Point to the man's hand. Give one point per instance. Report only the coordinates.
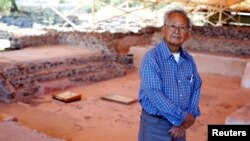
(177, 131)
(189, 121)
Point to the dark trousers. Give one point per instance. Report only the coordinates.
(155, 129)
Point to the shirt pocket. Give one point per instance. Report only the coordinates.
(188, 82)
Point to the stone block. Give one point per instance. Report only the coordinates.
(221, 65)
(245, 81)
(138, 53)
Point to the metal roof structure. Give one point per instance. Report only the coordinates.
(216, 3)
(204, 12)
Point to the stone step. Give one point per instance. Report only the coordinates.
(24, 72)
(57, 73)
(83, 79)
(17, 69)
(40, 83)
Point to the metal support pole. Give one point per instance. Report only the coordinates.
(93, 15)
(71, 12)
(156, 13)
(61, 15)
(220, 15)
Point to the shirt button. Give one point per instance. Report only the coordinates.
(181, 95)
(179, 81)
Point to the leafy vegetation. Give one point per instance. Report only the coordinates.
(5, 5)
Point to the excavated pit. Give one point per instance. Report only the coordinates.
(58, 59)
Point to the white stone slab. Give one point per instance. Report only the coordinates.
(221, 65)
(4, 43)
(245, 81)
(240, 116)
(138, 53)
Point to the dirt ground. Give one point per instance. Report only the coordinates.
(94, 119)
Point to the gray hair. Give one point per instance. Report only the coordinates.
(180, 11)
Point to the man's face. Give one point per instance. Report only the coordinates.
(175, 31)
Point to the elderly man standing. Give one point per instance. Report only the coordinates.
(170, 84)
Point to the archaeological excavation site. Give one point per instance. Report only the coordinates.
(71, 71)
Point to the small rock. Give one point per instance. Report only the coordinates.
(6, 117)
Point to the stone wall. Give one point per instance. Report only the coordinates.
(232, 41)
(24, 79)
(96, 41)
(226, 32)
(224, 40)
(31, 78)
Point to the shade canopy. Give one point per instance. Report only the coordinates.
(239, 5)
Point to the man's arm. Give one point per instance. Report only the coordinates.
(195, 99)
(193, 110)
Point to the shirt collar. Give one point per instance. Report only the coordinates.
(168, 53)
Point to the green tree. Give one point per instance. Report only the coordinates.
(5, 5)
(116, 2)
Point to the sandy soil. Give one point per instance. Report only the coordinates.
(94, 119)
(45, 52)
(14, 131)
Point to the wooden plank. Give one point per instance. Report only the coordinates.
(67, 96)
(119, 98)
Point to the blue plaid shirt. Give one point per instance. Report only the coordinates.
(168, 88)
